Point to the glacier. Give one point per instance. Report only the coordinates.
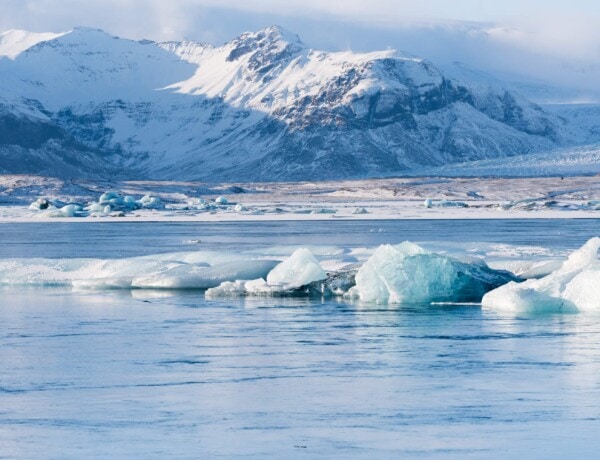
(573, 287)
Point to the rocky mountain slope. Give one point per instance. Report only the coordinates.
(262, 107)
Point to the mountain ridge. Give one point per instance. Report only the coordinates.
(263, 106)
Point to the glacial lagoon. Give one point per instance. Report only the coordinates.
(148, 373)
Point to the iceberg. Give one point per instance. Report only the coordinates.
(221, 200)
(149, 202)
(296, 272)
(429, 203)
(573, 287)
(300, 269)
(407, 273)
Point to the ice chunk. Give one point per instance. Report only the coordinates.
(40, 204)
(222, 201)
(240, 208)
(407, 273)
(575, 286)
(110, 196)
(324, 211)
(195, 277)
(429, 203)
(70, 210)
(149, 202)
(299, 270)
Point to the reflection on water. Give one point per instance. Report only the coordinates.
(171, 374)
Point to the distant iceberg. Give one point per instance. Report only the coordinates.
(575, 286)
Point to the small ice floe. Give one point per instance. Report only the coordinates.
(56, 208)
(197, 204)
(113, 203)
(110, 203)
(532, 204)
(574, 286)
(407, 273)
(150, 202)
(323, 211)
(222, 201)
(200, 276)
(188, 270)
(360, 211)
(240, 208)
(429, 203)
(593, 205)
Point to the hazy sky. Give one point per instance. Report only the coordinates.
(557, 39)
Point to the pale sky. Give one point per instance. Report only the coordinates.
(558, 39)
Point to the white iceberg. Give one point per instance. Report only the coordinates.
(575, 286)
(429, 203)
(297, 271)
(149, 202)
(407, 273)
(300, 269)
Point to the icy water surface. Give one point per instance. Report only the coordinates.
(151, 374)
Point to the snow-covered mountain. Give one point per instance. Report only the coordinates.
(262, 107)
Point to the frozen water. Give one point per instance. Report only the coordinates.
(407, 273)
(197, 277)
(149, 373)
(298, 270)
(166, 271)
(575, 286)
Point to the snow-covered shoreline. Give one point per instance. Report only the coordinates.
(14, 215)
(376, 199)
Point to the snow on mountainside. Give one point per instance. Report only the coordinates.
(14, 42)
(261, 107)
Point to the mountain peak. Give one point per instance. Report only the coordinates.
(274, 40)
(271, 34)
(14, 42)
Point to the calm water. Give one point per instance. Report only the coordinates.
(172, 375)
